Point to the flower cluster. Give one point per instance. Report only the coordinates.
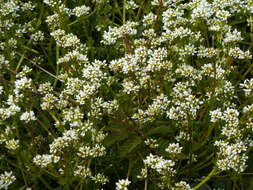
(122, 184)
(6, 179)
(163, 85)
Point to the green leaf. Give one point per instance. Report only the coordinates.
(115, 127)
(162, 130)
(114, 137)
(225, 184)
(205, 187)
(129, 145)
(118, 133)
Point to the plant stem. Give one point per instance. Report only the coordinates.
(30, 40)
(146, 184)
(57, 66)
(129, 168)
(205, 180)
(37, 65)
(124, 12)
(45, 183)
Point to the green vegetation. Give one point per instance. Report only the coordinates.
(126, 94)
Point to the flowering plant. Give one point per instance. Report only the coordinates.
(124, 94)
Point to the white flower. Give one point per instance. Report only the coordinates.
(45, 160)
(82, 172)
(12, 144)
(28, 116)
(131, 5)
(1, 90)
(122, 184)
(182, 185)
(6, 179)
(174, 148)
(79, 11)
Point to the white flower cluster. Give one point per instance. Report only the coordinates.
(175, 69)
(207, 70)
(9, 7)
(151, 142)
(53, 21)
(27, 116)
(182, 185)
(45, 88)
(156, 109)
(231, 117)
(52, 3)
(206, 52)
(65, 40)
(130, 4)
(231, 156)
(232, 36)
(122, 184)
(160, 165)
(97, 151)
(48, 102)
(38, 36)
(6, 179)
(149, 19)
(73, 56)
(45, 160)
(189, 72)
(82, 10)
(186, 103)
(174, 149)
(12, 144)
(99, 108)
(82, 172)
(69, 137)
(115, 33)
(28, 6)
(130, 87)
(237, 53)
(247, 87)
(1, 90)
(100, 179)
(3, 61)
(12, 110)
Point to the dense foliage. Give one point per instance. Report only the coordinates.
(124, 94)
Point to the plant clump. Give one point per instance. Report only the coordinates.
(126, 94)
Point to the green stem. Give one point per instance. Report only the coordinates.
(30, 40)
(146, 184)
(30, 49)
(50, 173)
(129, 168)
(57, 66)
(205, 180)
(124, 12)
(85, 17)
(81, 187)
(22, 172)
(37, 65)
(244, 75)
(139, 11)
(117, 8)
(45, 183)
(20, 61)
(78, 185)
(251, 29)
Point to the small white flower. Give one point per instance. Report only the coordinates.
(28, 116)
(6, 179)
(122, 184)
(12, 144)
(174, 148)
